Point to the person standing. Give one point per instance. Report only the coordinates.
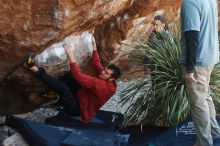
(199, 44)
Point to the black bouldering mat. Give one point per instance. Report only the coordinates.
(104, 120)
(181, 135)
(39, 134)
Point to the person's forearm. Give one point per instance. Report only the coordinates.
(192, 45)
(71, 58)
(69, 52)
(94, 44)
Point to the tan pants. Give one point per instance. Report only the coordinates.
(202, 107)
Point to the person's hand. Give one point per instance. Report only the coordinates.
(94, 43)
(69, 52)
(190, 77)
(68, 49)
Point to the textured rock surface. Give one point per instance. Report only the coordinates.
(36, 25)
(116, 35)
(33, 25)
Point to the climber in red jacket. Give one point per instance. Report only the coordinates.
(87, 94)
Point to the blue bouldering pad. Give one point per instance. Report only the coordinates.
(103, 120)
(39, 134)
(181, 135)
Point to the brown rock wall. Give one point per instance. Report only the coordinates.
(35, 25)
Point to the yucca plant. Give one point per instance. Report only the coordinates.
(215, 86)
(161, 100)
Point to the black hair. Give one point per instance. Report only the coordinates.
(116, 71)
(161, 19)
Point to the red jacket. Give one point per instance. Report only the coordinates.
(95, 92)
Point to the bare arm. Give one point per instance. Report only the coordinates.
(83, 79)
(69, 53)
(94, 44)
(97, 66)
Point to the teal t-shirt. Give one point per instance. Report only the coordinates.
(202, 16)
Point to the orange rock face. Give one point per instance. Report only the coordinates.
(34, 25)
(37, 24)
(115, 36)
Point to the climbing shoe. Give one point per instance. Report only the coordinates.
(29, 62)
(48, 94)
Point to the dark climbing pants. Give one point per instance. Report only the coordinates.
(66, 87)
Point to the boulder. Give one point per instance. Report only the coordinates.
(38, 25)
